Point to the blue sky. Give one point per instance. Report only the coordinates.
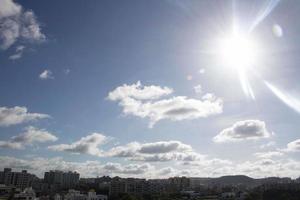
(131, 88)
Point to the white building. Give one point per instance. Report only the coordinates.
(75, 195)
(93, 196)
(27, 194)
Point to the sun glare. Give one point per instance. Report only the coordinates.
(237, 52)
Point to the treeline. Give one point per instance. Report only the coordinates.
(274, 194)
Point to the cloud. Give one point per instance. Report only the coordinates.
(46, 74)
(18, 54)
(139, 92)
(268, 154)
(39, 165)
(86, 145)
(198, 89)
(293, 146)
(67, 71)
(10, 145)
(161, 151)
(128, 169)
(18, 24)
(18, 115)
(144, 102)
(243, 130)
(30, 136)
(211, 168)
(164, 147)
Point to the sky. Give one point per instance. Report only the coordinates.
(150, 89)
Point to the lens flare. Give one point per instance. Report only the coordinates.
(286, 98)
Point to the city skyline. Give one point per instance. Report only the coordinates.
(150, 89)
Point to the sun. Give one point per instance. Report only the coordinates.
(237, 51)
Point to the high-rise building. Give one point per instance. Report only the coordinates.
(21, 180)
(63, 179)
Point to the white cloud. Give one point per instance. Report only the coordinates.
(17, 24)
(164, 147)
(161, 151)
(18, 115)
(243, 130)
(143, 102)
(86, 145)
(39, 165)
(268, 154)
(198, 89)
(269, 168)
(30, 136)
(293, 146)
(46, 74)
(128, 169)
(210, 168)
(10, 145)
(139, 92)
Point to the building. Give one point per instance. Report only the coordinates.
(75, 195)
(180, 183)
(27, 194)
(21, 180)
(66, 180)
(93, 196)
(137, 186)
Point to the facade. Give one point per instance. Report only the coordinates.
(76, 195)
(20, 180)
(27, 194)
(62, 179)
(93, 196)
(136, 186)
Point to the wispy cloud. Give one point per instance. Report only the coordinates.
(18, 53)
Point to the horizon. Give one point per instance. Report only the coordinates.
(236, 175)
(150, 89)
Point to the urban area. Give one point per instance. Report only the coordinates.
(60, 185)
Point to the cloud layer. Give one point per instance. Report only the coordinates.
(161, 151)
(146, 102)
